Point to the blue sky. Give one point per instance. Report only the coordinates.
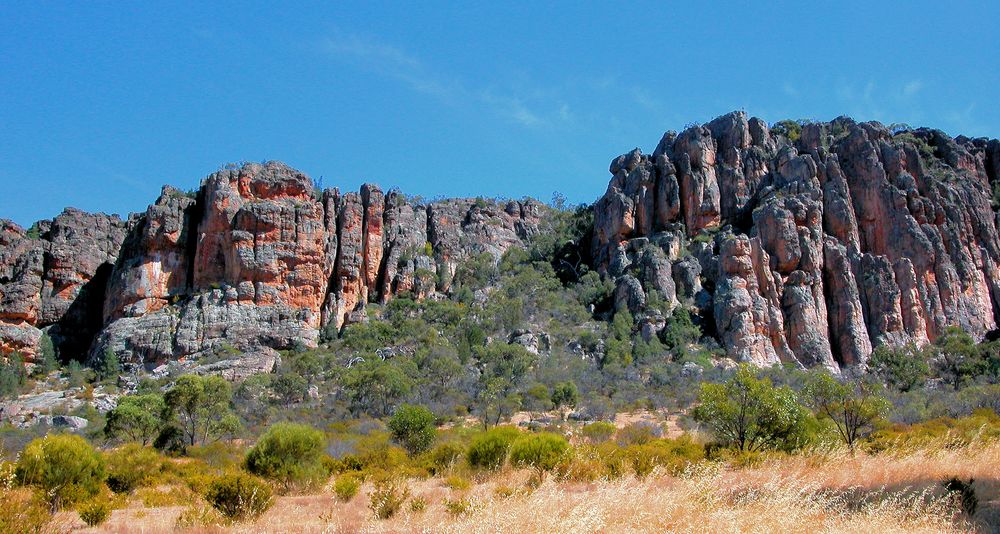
(102, 103)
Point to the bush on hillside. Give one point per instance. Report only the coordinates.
(541, 451)
(413, 428)
(290, 454)
(388, 497)
(489, 450)
(132, 466)
(65, 466)
(598, 432)
(239, 496)
(95, 512)
(346, 487)
(443, 457)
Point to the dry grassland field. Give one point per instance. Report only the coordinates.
(900, 489)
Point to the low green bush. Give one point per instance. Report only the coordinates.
(638, 434)
(64, 466)
(95, 512)
(388, 497)
(132, 466)
(289, 453)
(489, 450)
(346, 487)
(982, 425)
(598, 432)
(458, 507)
(413, 428)
(541, 451)
(674, 455)
(582, 463)
(443, 457)
(418, 505)
(457, 483)
(239, 496)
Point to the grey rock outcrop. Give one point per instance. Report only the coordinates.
(814, 251)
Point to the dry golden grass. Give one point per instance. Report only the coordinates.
(818, 492)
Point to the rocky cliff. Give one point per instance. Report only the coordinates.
(255, 258)
(810, 245)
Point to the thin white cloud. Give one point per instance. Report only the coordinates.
(356, 46)
(395, 63)
(912, 87)
(964, 120)
(643, 98)
(391, 62)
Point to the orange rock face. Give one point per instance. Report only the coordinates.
(263, 234)
(255, 258)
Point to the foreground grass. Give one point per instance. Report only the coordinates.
(832, 491)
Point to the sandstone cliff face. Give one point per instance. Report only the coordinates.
(54, 277)
(809, 252)
(817, 250)
(252, 260)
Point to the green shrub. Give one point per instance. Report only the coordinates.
(199, 515)
(980, 427)
(788, 128)
(751, 414)
(565, 396)
(12, 376)
(639, 433)
(674, 455)
(388, 497)
(132, 466)
(170, 440)
(65, 466)
(289, 453)
(136, 418)
(47, 360)
(413, 428)
(582, 463)
(95, 512)
(346, 487)
(23, 510)
(459, 507)
(489, 450)
(443, 457)
(223, 456)
(418, 504)
(457, 483)
(239, 496)
(541, 451)
(598, 432)
(195, 474)
(173, 495)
